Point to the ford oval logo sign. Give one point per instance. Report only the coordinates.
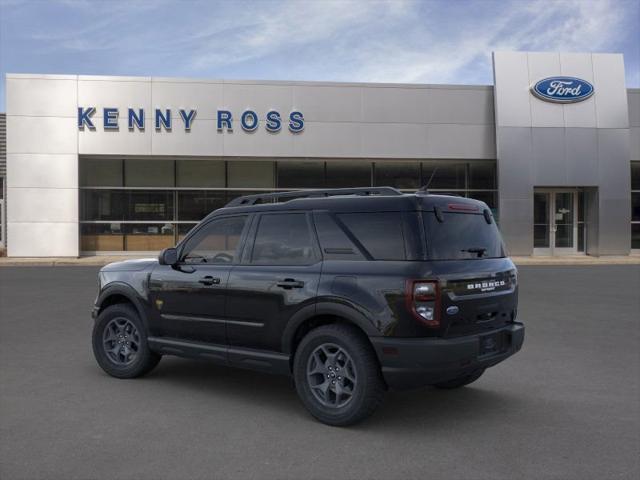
(562, 89)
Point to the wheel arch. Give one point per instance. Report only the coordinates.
(319, 314)
(120, 293)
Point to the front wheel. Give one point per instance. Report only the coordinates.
(120, 343)
(337, 375)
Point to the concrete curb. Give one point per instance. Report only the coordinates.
(99, 261)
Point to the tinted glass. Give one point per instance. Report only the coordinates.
(195, 205)
(379, 233)
(635, 235)
(635, 207)
(200, 173)
(443, 176)
(482, 175)
(402, 175)
(348, 174)
(333, 240)
(283, 239)
(250, 174)
(101, 172)
(300, 174)
(215, 243)
(149, 173)
(462, 236)
(103, 205)
(635, 175)
(149, 205)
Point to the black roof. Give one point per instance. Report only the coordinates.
(379, 199)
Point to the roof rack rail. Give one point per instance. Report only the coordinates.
(270, 197)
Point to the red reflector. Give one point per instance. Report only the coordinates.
(463, 207)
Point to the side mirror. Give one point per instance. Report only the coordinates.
(168, 256)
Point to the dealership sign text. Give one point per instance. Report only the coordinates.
(163, 119)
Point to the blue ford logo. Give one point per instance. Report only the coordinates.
(452, 310)
(562, 89)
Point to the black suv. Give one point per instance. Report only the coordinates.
(350, 291)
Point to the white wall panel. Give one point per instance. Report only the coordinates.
(42, 170)
(41, 135)
(203, 139)
(116, 142)
(511, 73)
(612, 109)
(42, 205)
(544, 114)
(42, 239)
(114, 93)
(395, 140)
(580, 114)
(44, 97)
(328, 103)
(205, 97)
(260, 98)
(391, 105)
(461, 141)
(327, 140)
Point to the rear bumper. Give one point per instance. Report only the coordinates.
(415, 362)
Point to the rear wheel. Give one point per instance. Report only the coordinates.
(460, 381)
(337, 375)
(120, 343)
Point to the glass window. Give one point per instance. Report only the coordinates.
(200, 173)
(149, 205)
(402, 175)
(487, 197)
(216, 242)
(462, 236)
(443, 175)
(103, 204)
(195, 205)
(482, 175)
(146, 237)
(635, 235)
(379, 233)
(348, 174)
(635, 175)
(149, 173)
(635, 206)
(95, 237)
(333, 240)
(283, 239)
(301, 175)
(100, 172)
(250, 174)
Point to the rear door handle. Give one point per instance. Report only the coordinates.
(288, 283)
(209, 280)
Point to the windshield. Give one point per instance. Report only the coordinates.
(462, 236)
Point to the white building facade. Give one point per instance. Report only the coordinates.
(130, 164)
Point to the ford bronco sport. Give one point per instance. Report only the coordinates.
(349, 291)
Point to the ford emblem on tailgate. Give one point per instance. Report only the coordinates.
(562, 89)
(452, 310)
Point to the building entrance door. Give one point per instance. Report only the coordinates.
(555, 222)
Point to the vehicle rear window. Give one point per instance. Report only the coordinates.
(462, 236)
(379, 233)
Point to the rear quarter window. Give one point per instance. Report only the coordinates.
(381, 234)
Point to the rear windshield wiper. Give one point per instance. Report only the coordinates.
(479, 251)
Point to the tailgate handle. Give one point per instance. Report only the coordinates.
(209, 280)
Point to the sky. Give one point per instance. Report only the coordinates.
(403, 41)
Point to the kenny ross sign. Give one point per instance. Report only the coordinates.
(249, 120)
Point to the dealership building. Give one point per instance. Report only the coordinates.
(102, 164)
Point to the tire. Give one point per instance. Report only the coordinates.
(340, 354)
(460, 381)
(130, 356)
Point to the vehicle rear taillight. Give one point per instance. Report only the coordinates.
(423, 300)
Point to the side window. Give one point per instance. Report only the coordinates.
(215, 243)
(379, 233)
(283, 239)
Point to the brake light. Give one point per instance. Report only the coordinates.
(463, 207)
(423, 301)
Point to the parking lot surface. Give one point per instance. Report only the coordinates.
(567, 406)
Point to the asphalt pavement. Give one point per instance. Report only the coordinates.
(566, 407)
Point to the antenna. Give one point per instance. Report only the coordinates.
(425, 188)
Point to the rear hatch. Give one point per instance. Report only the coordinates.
(477, 281)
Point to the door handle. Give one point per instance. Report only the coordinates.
(209, 280)
(289, 283)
